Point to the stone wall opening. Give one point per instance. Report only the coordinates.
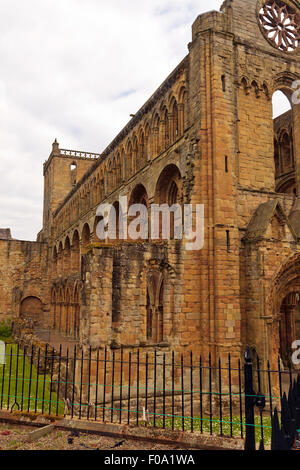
(32, 308)
(289, 327)
(155, 307)
(285, 181)
(169, 191)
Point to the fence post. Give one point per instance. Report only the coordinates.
(249, 402)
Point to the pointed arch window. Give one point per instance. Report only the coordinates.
(155, 307)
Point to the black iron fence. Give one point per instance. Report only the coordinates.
(226, 397)
(286, 422)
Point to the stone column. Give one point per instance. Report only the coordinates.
(96, 304)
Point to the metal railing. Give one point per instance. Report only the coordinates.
(173, 391)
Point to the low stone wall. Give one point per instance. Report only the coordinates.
(23, 334)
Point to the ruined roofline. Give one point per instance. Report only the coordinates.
(128, 128)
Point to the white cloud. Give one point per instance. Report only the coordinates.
(75, 70)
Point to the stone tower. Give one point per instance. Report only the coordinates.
(62, 171)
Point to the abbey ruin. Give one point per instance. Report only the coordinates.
(206, 136)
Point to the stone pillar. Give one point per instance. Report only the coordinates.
(96, 302)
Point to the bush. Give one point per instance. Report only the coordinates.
(5, 330)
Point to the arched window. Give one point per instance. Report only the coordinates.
(32, 308)
(175, 122)
(169, 191)
(155, 307)
(139, 196)
(54, 308)
(147, 149)
(118, 171)
(114, 175)
(141, 161)
(182, 109)
(86, 235)
(60, 260)
(55, 260)
(67, 256)
(135, 147)
(61, 300)
(109, 178)
(149, 318)
(286, 153)
(156, 135)
(73, 172)
(67, 325)
(129, 158)
(76, 318)
(102, 186)
(172, 193)
(166, 128)
(285, 181)
(277, 158)
(75, 253)
(114, 223)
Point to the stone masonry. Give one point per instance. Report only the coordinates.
(206, 136)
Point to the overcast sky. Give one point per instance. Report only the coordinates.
(75, 70)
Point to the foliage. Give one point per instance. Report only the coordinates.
(5, 330)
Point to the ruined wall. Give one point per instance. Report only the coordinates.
(23, 275)
(127, 327)
(209, 130)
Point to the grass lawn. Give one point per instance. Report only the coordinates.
(216, 426)
(15, 388)
(16, 383)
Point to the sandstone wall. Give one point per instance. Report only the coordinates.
(23, 275)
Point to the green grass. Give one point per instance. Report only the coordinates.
(13, 382)
(216, 426)
(11, 392)
(5, 331)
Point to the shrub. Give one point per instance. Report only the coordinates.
(5, 330)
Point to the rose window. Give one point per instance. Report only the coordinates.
(281, 25)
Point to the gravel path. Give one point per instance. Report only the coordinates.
(13, 437)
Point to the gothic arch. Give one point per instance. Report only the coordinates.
(156, 131)
(31, 308)
(164, 191)
(118, 170)
(142, 152)
(135, 147)
(67, 255)
(86, 235)
(283, 283)
(283, 306)
(155, 306)
(175, 120)
(165, 128)
(129, 159)
(139, 195)
(284, 82)
(160, 297)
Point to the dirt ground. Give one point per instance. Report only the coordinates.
(13, 437)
